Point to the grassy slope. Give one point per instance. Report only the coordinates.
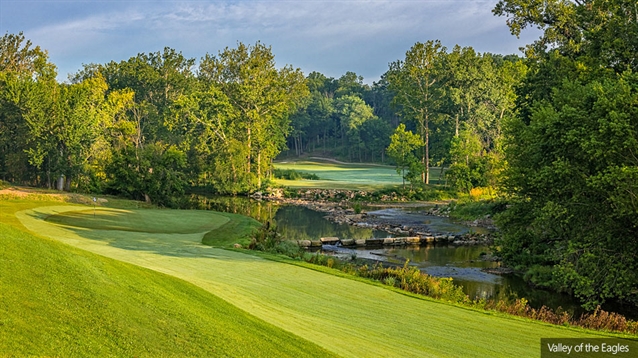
(56, 300)
(348, 317)
(344, 176)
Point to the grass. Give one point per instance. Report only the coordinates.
(350, 176)
(345, 316)
(56, 300)
(236, 231)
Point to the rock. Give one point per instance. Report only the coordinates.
(360, 242)
(347, 242)
(315, 243)
(413, 240)
(374, 242)
(399, 241)
(427, 239)
(304, 243)
(388, 241)
(237, 246)
(329, 240)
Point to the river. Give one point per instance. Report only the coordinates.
(462, 263)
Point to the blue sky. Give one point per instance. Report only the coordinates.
(331, 37)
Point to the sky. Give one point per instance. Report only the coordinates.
(330, 37)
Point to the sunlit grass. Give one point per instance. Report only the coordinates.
(345, 316)
(56, 300)
(345, 176)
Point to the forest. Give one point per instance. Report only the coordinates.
(553, 133)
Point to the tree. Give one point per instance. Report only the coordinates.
(571, 150)
(353, 113)
(417, 83)
(263, 96)
(403, 145)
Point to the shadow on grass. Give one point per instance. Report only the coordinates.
(115, 229)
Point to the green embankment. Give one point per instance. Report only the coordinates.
(344, 316)
(56, 300)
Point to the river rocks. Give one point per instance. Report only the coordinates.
(347, 242)
(414, 240)
(427, 239)
(374, 242)
(360, 242)
(323, 200)
(304, 243)
(315, 243)
(329, 240)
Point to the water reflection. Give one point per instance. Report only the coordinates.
(462, 263)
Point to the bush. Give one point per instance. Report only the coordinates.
(291, 174)
(268, 239)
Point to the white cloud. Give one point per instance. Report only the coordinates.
(328, 36)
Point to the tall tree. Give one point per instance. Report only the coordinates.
(402, 148)
(263, 96)
(417, 83)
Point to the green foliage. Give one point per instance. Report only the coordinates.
(154, 173)
(572, 148)
(402, 148)
(471, 210)
(291, 174)
(268, 239)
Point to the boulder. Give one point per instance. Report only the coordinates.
(329, 240)
(360, 242)
(347, 242)
(374, 242)
(413, 240)
(427, 238)
(304, 243)
(315, 243)
(388, 241)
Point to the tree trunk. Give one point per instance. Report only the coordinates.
(60, 184)
(249, 150)
(427, 153)
(67, 183)
(258, 168)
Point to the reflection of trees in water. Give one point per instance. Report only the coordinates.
(298, 223)
(262, 211)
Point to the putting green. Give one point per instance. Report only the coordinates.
(347, 317)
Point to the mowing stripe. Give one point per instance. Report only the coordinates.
(347, 317)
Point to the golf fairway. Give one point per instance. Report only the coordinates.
(347, 317)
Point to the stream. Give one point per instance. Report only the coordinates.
(462, 263)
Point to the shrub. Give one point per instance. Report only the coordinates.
(291, 174)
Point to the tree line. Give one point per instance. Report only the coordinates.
(147, 127)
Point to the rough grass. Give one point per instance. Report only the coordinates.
(345, 316)
(56, 300)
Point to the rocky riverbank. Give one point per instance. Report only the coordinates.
(337, 206)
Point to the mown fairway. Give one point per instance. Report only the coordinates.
(344, 316)
(56, 300)
(345, 175)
